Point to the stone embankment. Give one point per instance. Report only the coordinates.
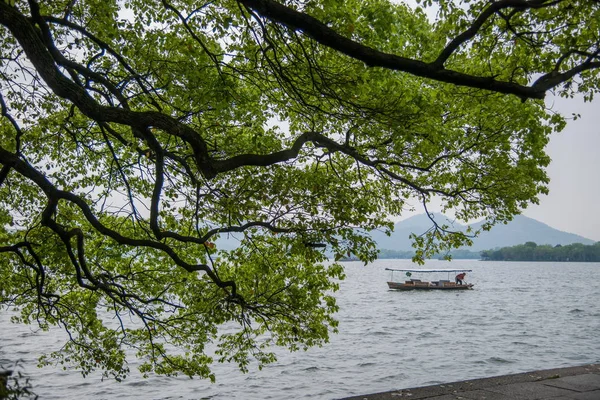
(574, 383)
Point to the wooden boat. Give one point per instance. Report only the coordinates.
(418, 284)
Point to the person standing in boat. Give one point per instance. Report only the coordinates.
(460, 277)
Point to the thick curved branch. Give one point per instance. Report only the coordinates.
(263, 160)
(68, 64)
(321, 141)
(40, 57)
(78, 260)
(326, 36)
(242, 228)
(105, 46)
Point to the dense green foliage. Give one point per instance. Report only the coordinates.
(134, 134)
(530, 251)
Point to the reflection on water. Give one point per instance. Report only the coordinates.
(520, 317)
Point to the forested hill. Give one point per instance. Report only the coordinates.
(532, 252)
(520, 230)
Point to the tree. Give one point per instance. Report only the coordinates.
(136, 134)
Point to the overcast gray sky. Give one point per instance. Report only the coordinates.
(572, 204)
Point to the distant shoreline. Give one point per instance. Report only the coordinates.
(527, 252)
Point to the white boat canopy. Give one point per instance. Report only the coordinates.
(429, 270)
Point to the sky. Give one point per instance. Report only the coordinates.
(573, 202)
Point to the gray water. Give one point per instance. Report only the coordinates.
(520, 317)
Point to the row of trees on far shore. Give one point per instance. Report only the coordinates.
(458, 254)
(530, 251)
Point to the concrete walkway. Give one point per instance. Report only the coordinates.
(579, 383)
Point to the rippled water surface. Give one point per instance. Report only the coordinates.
(520, 317)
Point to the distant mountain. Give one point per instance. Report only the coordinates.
(520, 230)
(523, 229)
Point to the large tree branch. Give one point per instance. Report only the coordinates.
(71, 65)
(320, 32)
(322, 141)
(106, 47)
(40, 57)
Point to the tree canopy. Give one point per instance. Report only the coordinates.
(134, 135)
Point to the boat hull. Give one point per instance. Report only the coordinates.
(405, 286)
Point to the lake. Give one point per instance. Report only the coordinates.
(520, 317)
